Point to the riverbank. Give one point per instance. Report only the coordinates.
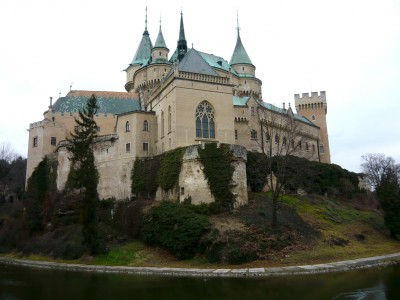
(338, 266)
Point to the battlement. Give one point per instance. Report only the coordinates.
(315, 97)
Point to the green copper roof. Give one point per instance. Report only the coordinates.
(240, 101)
(284, 111)
(239, 55)
(160, 42)
(195, 63)
(217, 62)
(108, 102)
(143, 52)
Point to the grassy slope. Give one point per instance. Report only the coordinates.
(343, 233)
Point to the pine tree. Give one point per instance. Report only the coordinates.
(84, 174)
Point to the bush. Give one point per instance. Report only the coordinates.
(175, 227)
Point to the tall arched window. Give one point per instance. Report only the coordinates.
(205, 124)
(127, 126)
(169, 119)
(145, 125)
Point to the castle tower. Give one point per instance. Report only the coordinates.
(182, 44)
(160, 50)
(315, 108)
(141, 58)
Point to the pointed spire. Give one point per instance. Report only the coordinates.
(143, 52)
(239, 55)
(160, 42)
(182, 44)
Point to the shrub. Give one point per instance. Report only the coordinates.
(175, 227)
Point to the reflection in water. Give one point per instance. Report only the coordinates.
(28, 283)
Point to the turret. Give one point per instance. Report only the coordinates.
(315, 108)
(160, 51)
(182, 44)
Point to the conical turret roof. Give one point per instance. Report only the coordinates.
(160, 42)
(143, 52)
(240, 55)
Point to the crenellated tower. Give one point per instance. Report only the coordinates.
(315, 108)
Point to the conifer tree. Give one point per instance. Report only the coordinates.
(84, 174)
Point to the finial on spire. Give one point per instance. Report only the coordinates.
(145, 27)
(237, 21)
(160, 21)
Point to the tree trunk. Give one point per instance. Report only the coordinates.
(274, 223)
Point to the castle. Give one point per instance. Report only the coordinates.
(187, 98)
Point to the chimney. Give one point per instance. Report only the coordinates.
(284, 105)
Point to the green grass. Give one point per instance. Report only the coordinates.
(123, 255)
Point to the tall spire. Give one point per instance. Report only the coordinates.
(239, 55)
(143, 52)
(182, 44)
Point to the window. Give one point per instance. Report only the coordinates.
(205, 125)
(321, 149)
(313, 117)
(284, 140)
(53, 141)
(313, 148)
(236, 134)
(162, 123)
(182, 191)
(252, 111)
(306, 146)
(128, 147)
(299, 145)
(145, 125)
(146, 146)
(169, 119)
(35, 141)
(127, 126)
(276, 139)
(267, 137)
(253, 135)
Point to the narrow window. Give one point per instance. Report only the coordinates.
(146, 147)
(127, 126)
(53, 141)
(35, 141)
(182, 191)
(128, 147)
(313, 148)
(236, 135)
(284, 141)
(145, 125)
(306, 146)
(321, 149)
(252, 111)
(276, 139)
(253, 135)
(169, 119)
(299, 145)
(162, 123)
(313, 117)
(267, 137)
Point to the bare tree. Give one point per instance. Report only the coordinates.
(7, 152)
(282, 134)
(375, 165)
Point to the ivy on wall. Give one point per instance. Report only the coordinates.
(218, 171)
(162, 170)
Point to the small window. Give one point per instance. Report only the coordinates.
(53, 141)
(128, 147)
(267, 137)
(321, 149)
(300, 145)
(313, 148)
(236, 134)
(254, 135)
(276, 139)
(127, 126)
(35, 141)
(145, 125)
(313, 117)
(306, 146)
(182, 191)
(146, 147)
(252, 111)
(284, 140)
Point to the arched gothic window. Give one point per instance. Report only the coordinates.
(145, 125)
(127, 126)
(205, 124)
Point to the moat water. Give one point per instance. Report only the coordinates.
(30, 283)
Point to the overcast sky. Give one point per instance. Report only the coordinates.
(348, 48)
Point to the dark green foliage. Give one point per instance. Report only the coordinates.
(12, 177)
(388, 192)
(310, 176)
(84, 174)
(168, 174)
(175, 227)
(144, 172)
(218, 171)
(41, 185)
